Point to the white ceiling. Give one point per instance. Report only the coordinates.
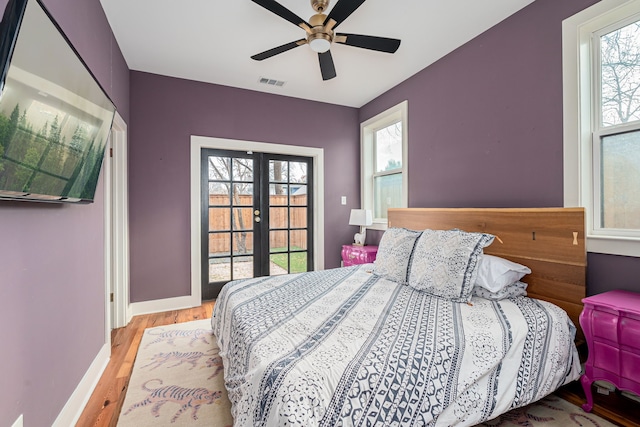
(212, 41)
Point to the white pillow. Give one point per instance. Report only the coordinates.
(513, 290)
(495, 273)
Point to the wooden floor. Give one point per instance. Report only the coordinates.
(106, 401)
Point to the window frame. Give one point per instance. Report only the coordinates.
(368, 128)
(582, 122)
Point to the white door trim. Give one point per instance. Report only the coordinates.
(116, 266)
(117, 227)
(200, 142)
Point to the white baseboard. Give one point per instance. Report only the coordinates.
(167, 304)
(78, 400)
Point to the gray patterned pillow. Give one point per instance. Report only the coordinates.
(394, 253)
(444, 263)
(516, 289)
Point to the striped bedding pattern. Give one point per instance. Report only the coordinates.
(344, 347)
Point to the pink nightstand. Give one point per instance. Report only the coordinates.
(611, 325)
(352, 254)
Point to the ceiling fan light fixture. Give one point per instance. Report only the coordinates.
(319, 45)
(320, 32)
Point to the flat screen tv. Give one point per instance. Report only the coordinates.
(54, 116)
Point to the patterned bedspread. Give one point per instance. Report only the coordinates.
(343, 347)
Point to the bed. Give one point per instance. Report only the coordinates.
(362, 346)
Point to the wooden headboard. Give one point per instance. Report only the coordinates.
(550, 241)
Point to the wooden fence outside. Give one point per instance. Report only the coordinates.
(281, 215)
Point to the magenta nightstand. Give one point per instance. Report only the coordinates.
(352, 254)
(611, 325)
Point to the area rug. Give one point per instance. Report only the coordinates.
(177, 380)
(550, 411)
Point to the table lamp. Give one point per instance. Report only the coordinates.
(363, 218)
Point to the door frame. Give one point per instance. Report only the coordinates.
(200, 142)
(116, 227)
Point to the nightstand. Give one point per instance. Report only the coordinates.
(611, 325)
(353, 254)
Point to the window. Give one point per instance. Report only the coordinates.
(601, 79)
(384, 163)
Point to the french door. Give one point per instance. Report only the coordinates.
(257, 217)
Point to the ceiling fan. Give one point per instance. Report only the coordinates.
(320, 32)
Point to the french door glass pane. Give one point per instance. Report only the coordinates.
(298, 217)
(219, 244)
(298, 172)
(388, 147)
(280, 192)
(243, 194)
(278, 241)
(298, 262)
(219, 194)
(298, 195)
(243, 218)
(298, 239)
(279, 264)
(388, 193)
(278, 171)
(243, 170)
(242, 243)
(219, 269)
(278, 217)
(620, 75)
(219, 168)
(219, 219)
(242, 268)
(620, 181)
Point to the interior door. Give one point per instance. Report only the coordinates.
(256, 216)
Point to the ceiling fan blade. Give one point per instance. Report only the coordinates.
(327, 68)
(283, 12)
(276, 50)
(381, 44)
(342, 10)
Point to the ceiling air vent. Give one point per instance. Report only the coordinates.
(271, 82)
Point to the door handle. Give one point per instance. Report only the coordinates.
(256, 219)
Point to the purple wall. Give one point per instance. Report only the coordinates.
(485, 125)
(52, 260)
(165, 112)
(485, 130)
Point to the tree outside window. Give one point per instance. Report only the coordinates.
(618, 131)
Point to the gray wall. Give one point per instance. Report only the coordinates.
(485, 126)
(166, 111)
(52, 260)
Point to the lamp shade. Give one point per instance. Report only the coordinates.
(361, 217)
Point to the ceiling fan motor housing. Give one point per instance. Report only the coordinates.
(319, 37)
